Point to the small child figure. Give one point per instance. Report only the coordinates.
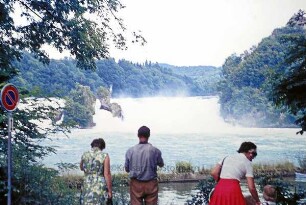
(269, 195)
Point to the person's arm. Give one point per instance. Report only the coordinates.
(81, 165)
(127, 163)
(252, 189)
(215, 172)
(108, 176)
(160, 161)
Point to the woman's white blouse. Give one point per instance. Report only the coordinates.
(236, 167)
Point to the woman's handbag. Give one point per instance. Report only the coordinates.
(210, 194)
(213, 189)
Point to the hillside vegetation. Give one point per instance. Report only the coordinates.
(124, 78)
(247, 90)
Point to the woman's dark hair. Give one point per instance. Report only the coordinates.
(98, 143)
(246, 146)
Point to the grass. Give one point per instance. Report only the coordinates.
(284, 169)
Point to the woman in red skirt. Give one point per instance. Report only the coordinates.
(233, 168)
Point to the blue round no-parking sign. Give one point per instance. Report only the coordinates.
(9, 97)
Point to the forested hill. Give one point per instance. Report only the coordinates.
(126, 78)
(250, 80)
(206, 77)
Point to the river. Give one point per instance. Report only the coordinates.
(183, 128)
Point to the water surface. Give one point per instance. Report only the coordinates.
(184, 129)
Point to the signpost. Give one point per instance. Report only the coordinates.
(9, 102)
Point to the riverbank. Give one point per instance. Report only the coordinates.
(280, 170)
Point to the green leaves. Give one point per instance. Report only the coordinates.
(290, 91)
(80, 107)
(85, 28)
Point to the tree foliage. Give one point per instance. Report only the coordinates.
(33, 123)
(84, 28)
(125, 78)
(80, 107)
(290, 92)
(206, 77)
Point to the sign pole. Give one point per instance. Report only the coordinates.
(9, 101)
(9, 158)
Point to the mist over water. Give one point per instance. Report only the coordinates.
(164, 115)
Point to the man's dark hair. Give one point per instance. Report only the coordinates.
(144, 132)
(98, 143)
(246, 146)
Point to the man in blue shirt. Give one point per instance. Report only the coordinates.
(141, 163)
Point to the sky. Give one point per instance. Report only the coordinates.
(201, 32)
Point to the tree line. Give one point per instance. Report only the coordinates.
(125, 78)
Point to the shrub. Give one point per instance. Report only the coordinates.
(201, 197)
(183, 167)
(35, 184)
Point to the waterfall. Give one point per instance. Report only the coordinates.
(164, 115)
